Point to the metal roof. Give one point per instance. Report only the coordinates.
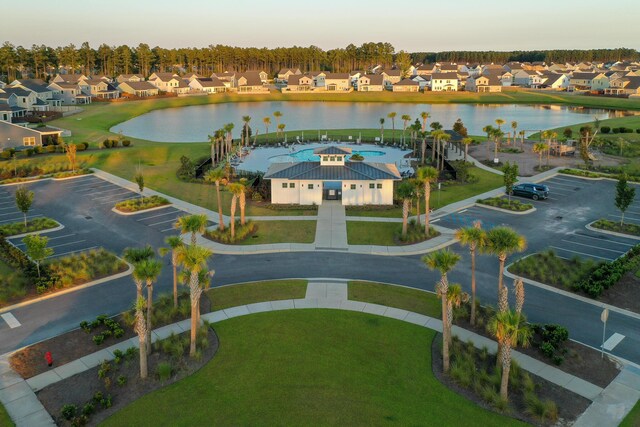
(332, 150)
(355, 171)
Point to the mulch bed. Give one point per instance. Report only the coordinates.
(570, 405)
(73, 345)
(624, 294)
(580, 361)
(80, 388)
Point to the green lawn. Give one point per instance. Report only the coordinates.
(248, 293)
(633, 418)
(312, 367)
(414, 300)
(282, 232)
(5, 419)
(372, 233)
(450, 193)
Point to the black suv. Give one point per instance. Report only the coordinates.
(534, 191)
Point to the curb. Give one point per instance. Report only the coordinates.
(48, 230)
(140, 211)
(572, 295)
(127, 272)
(612, 233)
(39, 179)
(494, 208)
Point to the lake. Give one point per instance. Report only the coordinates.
(193, 124)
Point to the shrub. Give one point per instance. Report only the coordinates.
(164, 371)
(68, 411)
(122, 380)
(141, 203)
(126, 143)
(503, 203)
(88, 409)
(105, 368)
(131, 353)
(637, 130)
(117, 356)
(256, 197)
(605, 129)
(242, 232)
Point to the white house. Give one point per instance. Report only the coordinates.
(370, 83)
(337, 82)
(444, 82)
(210, 85)
(333, 177)
(406, 85)
(138, 88)
(299, 83)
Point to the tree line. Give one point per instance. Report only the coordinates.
(42, 60)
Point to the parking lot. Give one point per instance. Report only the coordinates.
(8, 210)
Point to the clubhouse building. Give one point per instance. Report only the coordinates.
(334, 177)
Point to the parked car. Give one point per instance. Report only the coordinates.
(534, 191)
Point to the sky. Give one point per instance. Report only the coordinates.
(424, 25)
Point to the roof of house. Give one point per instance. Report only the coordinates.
(444, 76)
(165, 77)
(212, 82)
(374, 79)
(294, 79)
(17, 90)
(140, 85)
(356, 171)
(70, 78)
(335, 76)
(35, 85)
(332, 150)
(448, 67)
(584, 76)
(492, 79)
(128, 76)
(65, 85)
(407, 82)
(252, 77)
(393, 73)
(552, 78)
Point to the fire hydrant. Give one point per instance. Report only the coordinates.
(48, 358)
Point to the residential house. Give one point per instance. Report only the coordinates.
(39, 87)
(299, 83)
(426, 69)
(444, 82)
(391, 77)
(600, 82)
(513, 67)
(333, 177)
(24, 98)
(506, 78)
(448, 67)
(285, 73)
(554, 81)
(98, 89)
(370, 83)
(16, 136)
(337, 82)
(210, 85)
(558, 68)
(355, 76)
(69, 78)
(168, 82)
(484, 83)
(138, 88)
(250, 82)
(264, 77)
(6, 113)
(227, 78)
(9, 106)
(527, 78)
(191, 76)
(70, 93)
(318, 78)
(406, 85)
(581, 81)
(130, 78)
(421, 80)
(629, 86)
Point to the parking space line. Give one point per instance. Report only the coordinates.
(6, 203)
(111, 195)
(562, 185)
(8, 207)
(435, 220)
(632, 218)
(162, 214)
(109, 199)
(112, 201)
(613, 341)
(11, 213)
(67, 244)
(603, 240)
(111, 190)
(172, 228)
(18, 244)
(574, 180)
(591, 246)
(161, 222)
(11, 320)
(96, 187)
(581, 253)
(463, 210)
(72, 252)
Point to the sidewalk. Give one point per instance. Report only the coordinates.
(609, 405)
(331, 228)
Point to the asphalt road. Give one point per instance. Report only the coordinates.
(84, 207)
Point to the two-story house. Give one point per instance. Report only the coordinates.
(370, 83)
(444, 82)
(337, 82)
(299, 83)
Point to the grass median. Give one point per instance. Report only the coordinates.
(249, 293)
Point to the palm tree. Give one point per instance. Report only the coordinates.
(148, 271)
(427, 175)
(443, 261)
(174, 243)
(277, 115)
(466, 141)
(418, 188)
(511, 330)
(503, 241)
(267, 122)
(455, 298)
(236, 189)
(475, 238)
(488, 129)
(405, 119)
(216, 176)
(194, 224)
(424, 115)
(213, 139)
(381, 129)
(281, 127)
(499, 122)
(228, 130)
(521, 133)
(444, 139)
(135, 256)
(423, 146)
(514, 126)
(242, 199)
(497, 135)
(436, 135)
(194, 259)
(405, 192)
(392, 116)
(141, 329)
(246, 120)
(539, 148)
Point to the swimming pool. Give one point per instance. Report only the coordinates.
(307, 155)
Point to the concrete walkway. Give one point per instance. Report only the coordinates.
(609, 405)
(331, 228)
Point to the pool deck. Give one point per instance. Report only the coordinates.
(260, 158)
